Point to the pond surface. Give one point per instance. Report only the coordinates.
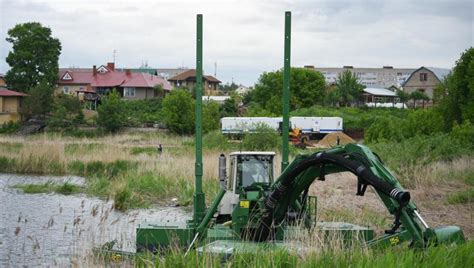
(59, 230)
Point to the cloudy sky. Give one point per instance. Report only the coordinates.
(245, 38)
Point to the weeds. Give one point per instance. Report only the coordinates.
(50, 187)
(462, 197)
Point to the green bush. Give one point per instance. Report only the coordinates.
(178, 112)
(264, 139)
(215, 140)
(9, 128)
(111, 113)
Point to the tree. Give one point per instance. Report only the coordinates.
(348, 87)
(228, 87)
(34, 57)
(307, 89)
(418, 95)
(230, 106)
(159, 91)
(458, 101)
(403, 96)
(111, 113)
(39, 101)
(178, 111)
(67, 112)
(210, 116)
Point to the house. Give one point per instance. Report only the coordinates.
(102, 80)
(242, 90)
(3, 83)
(187, 79)
(424, 79)
(10, 105)
(381, 97)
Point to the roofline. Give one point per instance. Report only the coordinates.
(422, 67)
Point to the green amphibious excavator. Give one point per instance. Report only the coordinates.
(255, 207)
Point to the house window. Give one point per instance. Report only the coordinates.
(422, 90)
(66, 90)
(423, 76)
(209, 85)
(129, 92)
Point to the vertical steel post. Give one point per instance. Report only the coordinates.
(199, 202)
(286, 92)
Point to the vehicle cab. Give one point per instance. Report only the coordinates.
(246, 171)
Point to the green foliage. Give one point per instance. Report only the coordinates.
(178, 112)
(230, 106)
(402, 156)
(457, 102)
(420, 122)
(34, 57)
(435, 256)
(264, 139)
(353, 118)
(462, 197)
(67, 112)
(210, 116)
(142, 111)
(255, 110)
(215, 140)
(228, 87)
(39, 102)
(49, 187)
(307, 89)
(111, 113)
(417, 96)
(9, 127)
(99, 168)
(403, 96)
(348, 88)
(144, 150)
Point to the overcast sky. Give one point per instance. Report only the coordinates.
(245, 38)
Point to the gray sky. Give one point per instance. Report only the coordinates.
(245, 38)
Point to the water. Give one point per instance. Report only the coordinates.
(57, 230)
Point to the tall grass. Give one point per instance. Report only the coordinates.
(440, 256)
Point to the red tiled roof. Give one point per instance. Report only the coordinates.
(191, 73)
(11, 93)
(145, 80)
(111, 79)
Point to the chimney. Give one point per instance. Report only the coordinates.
(94, 70)
(309, 66)
(111, 66)
(128, 72)
(348, 67)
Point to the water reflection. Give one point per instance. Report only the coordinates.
(53, 229)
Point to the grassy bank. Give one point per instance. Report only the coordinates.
(125, 167)
(129, 169)
(441, 256)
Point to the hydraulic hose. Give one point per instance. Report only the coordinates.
(362, 172)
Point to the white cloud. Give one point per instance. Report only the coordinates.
(245, 38)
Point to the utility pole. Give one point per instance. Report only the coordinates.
(286, 92)
(199, 202)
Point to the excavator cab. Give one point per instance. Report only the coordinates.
(247, 171)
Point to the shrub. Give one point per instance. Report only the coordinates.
(215, 140)
(111, 114)
(264, 139)
(178, 112)
(9, 128)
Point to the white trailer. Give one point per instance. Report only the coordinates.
(314, 125)
(240, 125)
(308, 125)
